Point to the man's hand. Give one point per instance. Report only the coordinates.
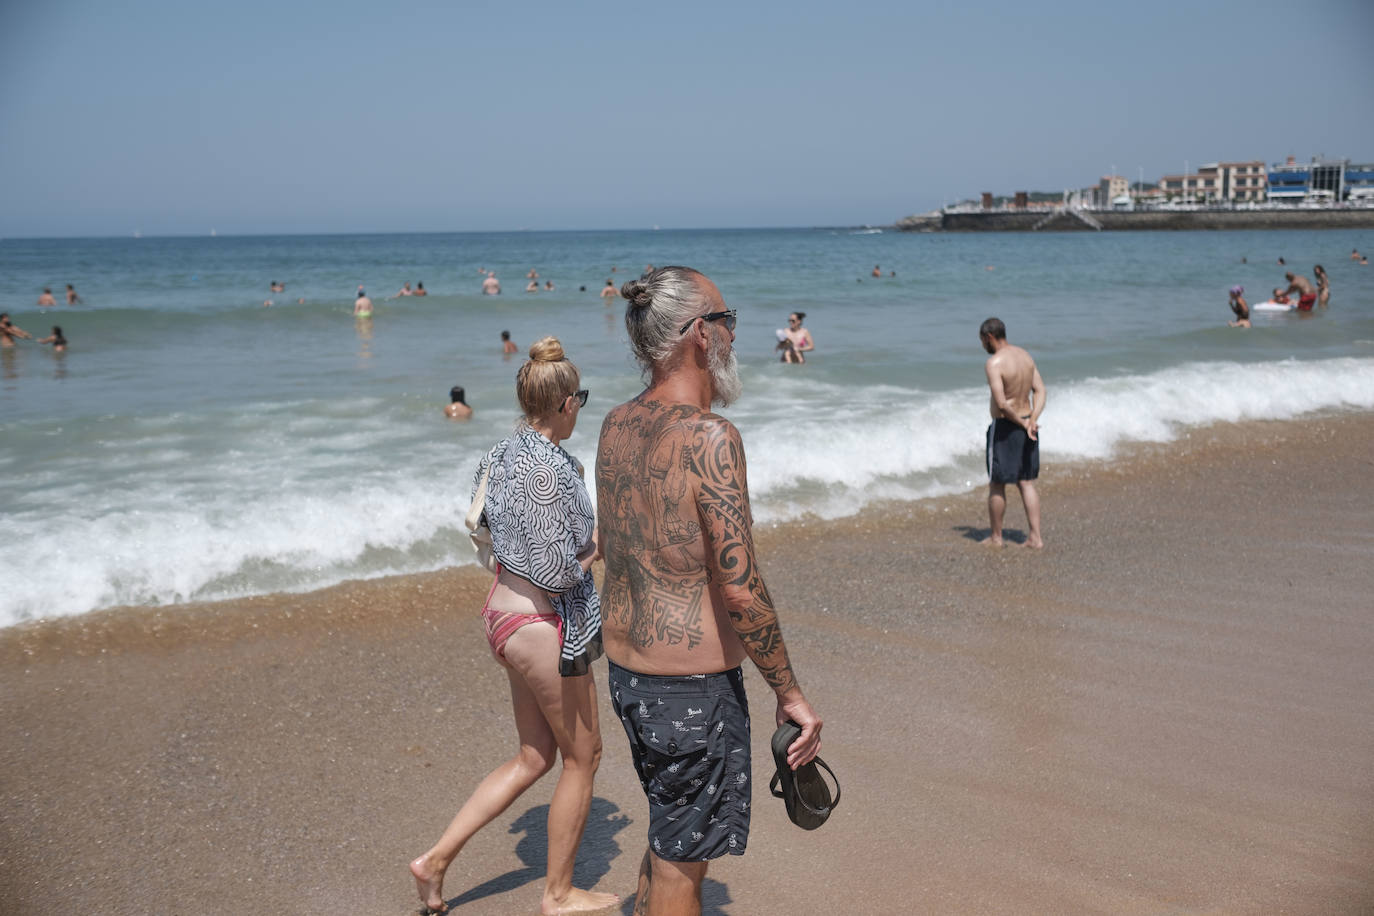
(809, 744)
(1032, 428)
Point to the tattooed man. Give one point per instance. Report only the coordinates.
(684, 601)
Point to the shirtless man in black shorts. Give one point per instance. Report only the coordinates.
(1017, 399)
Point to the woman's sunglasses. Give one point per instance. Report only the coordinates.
(581, 397)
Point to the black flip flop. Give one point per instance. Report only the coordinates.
(803, 790)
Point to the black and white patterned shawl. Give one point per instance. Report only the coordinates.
(541, 518)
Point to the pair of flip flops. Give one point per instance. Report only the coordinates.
(804, 789)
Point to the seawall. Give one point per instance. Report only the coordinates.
(1047, 221)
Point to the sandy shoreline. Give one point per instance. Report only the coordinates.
(1170, 709)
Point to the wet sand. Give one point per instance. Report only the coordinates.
(1170, 709)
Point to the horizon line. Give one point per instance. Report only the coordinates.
(243, 235)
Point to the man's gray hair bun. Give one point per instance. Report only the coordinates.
(638, 293)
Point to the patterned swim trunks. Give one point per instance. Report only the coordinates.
(689, 736)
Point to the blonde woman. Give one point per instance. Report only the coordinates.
(543, 622)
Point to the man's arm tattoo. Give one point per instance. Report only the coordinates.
(723, 503)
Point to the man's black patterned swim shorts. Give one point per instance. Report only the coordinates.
(689, 736)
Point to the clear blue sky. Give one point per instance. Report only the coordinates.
(258, 117)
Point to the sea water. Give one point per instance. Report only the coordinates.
(194, 444)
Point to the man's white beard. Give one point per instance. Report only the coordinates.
(726, 386)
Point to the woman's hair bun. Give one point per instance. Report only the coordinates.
(547, 350)
(637, 291)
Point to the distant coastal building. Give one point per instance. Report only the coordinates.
(1109, 188)
(1359, 182)
(1102, 195)
(1319, 185)
(1242, 180)
(1320, 179)
(1218, 181)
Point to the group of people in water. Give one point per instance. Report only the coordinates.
(10, 332)
(794, 342)
(405, 290)
(47, 300)
(1298, 285)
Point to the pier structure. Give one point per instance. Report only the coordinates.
(1069, 219)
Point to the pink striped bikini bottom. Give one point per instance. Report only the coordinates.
(501, 625)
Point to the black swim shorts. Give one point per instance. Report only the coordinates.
(689, 736)
(1012, 454)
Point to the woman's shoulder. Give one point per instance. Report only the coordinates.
(537, 447)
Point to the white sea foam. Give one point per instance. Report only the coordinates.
(885, 443)
(279, 504)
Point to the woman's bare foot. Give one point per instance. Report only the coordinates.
(430, 883)
(578, 901)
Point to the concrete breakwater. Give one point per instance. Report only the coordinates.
(1065, 221)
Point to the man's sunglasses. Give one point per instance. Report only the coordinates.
(728, 315)
(580, 395)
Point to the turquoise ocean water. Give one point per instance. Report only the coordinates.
(192, 444)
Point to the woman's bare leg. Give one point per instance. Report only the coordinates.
(569, 707)
(494, 793)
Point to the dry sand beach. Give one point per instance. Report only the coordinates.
(1170, 709)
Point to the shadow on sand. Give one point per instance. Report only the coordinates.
(594, 855)
(1009, 535)
(714, 897)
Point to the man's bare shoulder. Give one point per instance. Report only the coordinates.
(1011, 358)
(643, 428)
(648, 414)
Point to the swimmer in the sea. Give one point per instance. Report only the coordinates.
(797, 340)
(362, 308)
(59, 343)
(1240, 307)
(507, 345)
(10, 331)
(1323, 285)
(458, 408)
(1307, 296)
